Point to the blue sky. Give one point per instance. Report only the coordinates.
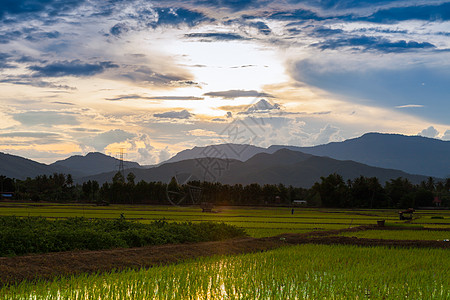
(157, 77)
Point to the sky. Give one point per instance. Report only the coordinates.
(152, 78)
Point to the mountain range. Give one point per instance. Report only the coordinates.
(411, 154)
(283, 166)
(78, 166)
(385, 156)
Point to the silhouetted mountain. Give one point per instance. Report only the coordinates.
(13, 166)
(284, 166)
(93, 163)
(203, 169)
(412, 154)
(240, 152)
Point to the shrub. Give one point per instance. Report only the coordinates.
(20, 236)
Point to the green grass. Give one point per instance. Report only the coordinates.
(258, 221)
(298, 272)
(428, 235)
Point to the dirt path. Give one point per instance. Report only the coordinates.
(47, 266)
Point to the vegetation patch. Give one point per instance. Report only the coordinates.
(39, 235)
(426, 235)
(298, 272)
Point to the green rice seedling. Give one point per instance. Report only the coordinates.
(400, 234)
(298, 272)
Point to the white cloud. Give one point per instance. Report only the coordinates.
(328, 134)
(446, 136)
(430, 132)
(202, 132)
(164, 154)
(102, 140)
(410, 106)
(263, 106)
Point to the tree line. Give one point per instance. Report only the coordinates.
(331, 191)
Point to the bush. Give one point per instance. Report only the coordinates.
(20, 236)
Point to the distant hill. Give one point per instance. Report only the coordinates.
(240, 152)
(13, 166)
(92, 163)
(78, 166)
(411, 154)
(284, 166)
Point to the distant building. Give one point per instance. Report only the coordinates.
(6, 196)
(437, 202)
(300, 202)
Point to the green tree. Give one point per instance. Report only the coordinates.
(333, 191)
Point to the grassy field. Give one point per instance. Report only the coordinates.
(258, 222)
(298, 272)
(401, 234)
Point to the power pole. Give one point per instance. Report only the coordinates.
(121, 166)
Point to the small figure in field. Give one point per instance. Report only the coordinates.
(292, 211)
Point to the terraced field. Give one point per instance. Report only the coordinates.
(322, 253)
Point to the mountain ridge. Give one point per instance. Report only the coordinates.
(284, 166)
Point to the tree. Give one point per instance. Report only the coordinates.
(423, 198)
(333, 191)
(401, 192)
(130, 179)
(367, 192)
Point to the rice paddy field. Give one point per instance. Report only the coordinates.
(297, 272)
(257, 221)
(306, 271)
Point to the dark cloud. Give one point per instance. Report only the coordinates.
(25, 80)
(261, 26)
(46, 118)
(42, 35)
(118, 29)
(131, 97)
(322, 31)
(71, 68)
(62, 103)
(234, 5)
(178, 16)
(6, 37)
(145, 75)
(184, 114)
(216, 36)
(4, 64)
(243, 66)
(439, 12)
(231, 94)
(373, 43)
(80, 129)
(30, 134)
(295, 15)
(13, 8)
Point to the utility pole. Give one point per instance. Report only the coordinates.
(121, 167)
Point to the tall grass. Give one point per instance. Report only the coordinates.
(299, 272)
